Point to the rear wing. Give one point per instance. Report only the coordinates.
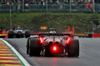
(55, 34)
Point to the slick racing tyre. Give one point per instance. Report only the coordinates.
(27, 34)
(34, 47)
(27, 46)
(10, 34)
(73, 49)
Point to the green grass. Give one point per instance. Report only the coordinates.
(81, 21)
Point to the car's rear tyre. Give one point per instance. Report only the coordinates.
(27, 34)
(10, 34)
(27, 46)
(34, 47)
(73, 49)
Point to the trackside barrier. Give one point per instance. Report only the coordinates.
(96, 35)
(35, 33)
(3, 35)
(81, 35)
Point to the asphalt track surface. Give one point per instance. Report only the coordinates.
(89, 54)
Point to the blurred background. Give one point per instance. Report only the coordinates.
(83, 15)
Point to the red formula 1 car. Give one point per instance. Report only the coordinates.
(56, 44)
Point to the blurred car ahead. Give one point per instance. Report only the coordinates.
(18, 33)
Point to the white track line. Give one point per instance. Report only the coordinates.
(16, 52)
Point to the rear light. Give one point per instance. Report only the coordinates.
(54, 48)
(41, 40)
(68, 40)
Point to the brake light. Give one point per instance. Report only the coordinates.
(54, 48)
(41, 40)
(68, 40)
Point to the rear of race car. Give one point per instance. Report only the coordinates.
(58, 46)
